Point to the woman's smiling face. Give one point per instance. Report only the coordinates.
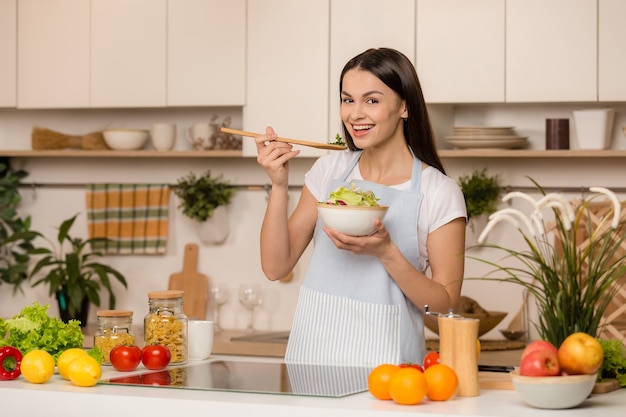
(371, 111)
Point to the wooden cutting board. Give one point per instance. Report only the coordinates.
(194, 284)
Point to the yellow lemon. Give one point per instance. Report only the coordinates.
(63, 363)
(84, 371)
(37, 366)
(477, 349)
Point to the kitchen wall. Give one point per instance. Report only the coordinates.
(237, 260)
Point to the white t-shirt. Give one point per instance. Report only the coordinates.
(443, 199)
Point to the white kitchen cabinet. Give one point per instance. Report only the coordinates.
(8, 46)
(460, 50)
(128, 53)
(53, 54)
(551, 50)
(206, 53)
(357, 25)
(287, 70)
(611, 51)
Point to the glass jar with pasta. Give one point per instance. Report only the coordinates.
(114, 329)
(166, 323)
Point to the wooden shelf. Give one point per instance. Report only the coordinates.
(76, 153)
(444, 153)
(527, 153)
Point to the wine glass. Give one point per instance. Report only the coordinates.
(250, 298)
(219, 296)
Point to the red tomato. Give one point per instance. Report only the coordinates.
(412, 365)
(155, 357)
(125, 358)
(431, 358)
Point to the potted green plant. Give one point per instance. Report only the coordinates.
(571, 264)
(482, 194)
(481, 191)
(204, 199)
(16, 238)
(72, 274)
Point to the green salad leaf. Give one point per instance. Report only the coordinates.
(352, 196)
(614, 364)
(33, 329)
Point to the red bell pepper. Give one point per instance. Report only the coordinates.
(10, 360)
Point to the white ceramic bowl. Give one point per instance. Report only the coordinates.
(125, 139)
(351, 220)
(553, 392)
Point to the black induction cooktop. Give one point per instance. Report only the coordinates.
(255, 377)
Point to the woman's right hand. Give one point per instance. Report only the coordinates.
(274, 156)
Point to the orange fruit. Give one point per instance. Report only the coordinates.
(407, 386)
(442, 382)
(378, 380)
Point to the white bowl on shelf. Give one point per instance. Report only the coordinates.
(125, 139)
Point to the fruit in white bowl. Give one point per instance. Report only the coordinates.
(553, 392)
(580, 353)
(540, 358)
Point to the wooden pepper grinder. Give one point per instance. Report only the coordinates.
(457, 349)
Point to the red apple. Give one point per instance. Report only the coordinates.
(539, 345)
(580, 353)
(543, 362)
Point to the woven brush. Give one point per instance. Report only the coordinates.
(47, 139)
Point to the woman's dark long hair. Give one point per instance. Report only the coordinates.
(397, 72)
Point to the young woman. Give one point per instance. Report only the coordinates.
(362, 299)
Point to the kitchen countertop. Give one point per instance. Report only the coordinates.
(58, 397)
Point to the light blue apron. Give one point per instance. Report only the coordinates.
(350, 311)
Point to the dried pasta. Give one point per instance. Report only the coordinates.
(161, 329)
(108, 339)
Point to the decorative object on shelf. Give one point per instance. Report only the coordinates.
(72, 275)
(557, 133)
(210, 136)
(593, 128)
(163, 136)
(485, 137)
(205, 199)
(47, 139)
(482, 193)
(16, 238)
(470, 309)
(574, 277)
(133, 218)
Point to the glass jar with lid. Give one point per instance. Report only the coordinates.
(114, 329)
(166, 323)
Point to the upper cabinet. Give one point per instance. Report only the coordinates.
(460, 50)
(53, 54)
(8, 45)
(287, 70)
(355, 25)
(612, 59)
(128, 53)
(206, 53)
(551, 50)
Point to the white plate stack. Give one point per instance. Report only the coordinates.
(485, 137)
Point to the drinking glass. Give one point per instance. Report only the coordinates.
(250, 298)
(219, 296)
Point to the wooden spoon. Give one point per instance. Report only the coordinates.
(286, 140)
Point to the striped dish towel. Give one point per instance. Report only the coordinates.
(133, 216)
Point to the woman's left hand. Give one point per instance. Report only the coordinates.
(374, 244)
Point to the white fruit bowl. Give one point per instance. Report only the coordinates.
(351, 220)
(553, 392)
(125, 139)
